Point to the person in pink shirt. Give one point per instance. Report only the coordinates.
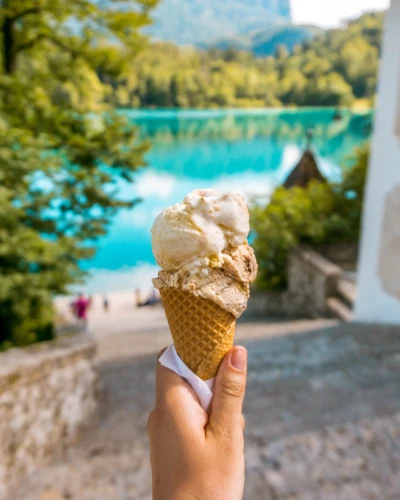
(81, 306)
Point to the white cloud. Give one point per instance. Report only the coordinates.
(138, 217)
(248, 184)
(329, 168)
(151, 183)
(332, 13)
(291, 156)
(141, 216)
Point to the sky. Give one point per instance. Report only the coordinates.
(330, 13)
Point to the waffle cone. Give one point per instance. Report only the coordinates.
(202, 331)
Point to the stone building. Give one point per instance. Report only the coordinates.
(379, 264)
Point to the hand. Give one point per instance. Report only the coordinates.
(196, 456)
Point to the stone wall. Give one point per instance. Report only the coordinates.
(345, 255)
(271, 303)
(47, 392)
(311, 280)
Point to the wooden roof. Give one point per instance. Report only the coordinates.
(304, 172)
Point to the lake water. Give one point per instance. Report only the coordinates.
(250, 152)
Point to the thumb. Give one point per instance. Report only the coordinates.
(229, 390)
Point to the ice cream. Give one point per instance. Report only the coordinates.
(207, 265)
(202, 248)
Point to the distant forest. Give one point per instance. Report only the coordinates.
(337, 68)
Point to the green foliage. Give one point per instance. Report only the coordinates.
(62, 152)
(334, 69)
(318, 214)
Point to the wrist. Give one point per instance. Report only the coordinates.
(182, 494)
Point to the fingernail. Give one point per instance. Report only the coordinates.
(239, 358)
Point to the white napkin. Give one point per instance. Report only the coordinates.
(203, 390)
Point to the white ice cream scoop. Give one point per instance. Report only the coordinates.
(204, 225)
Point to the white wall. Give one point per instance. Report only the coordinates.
(374, 304)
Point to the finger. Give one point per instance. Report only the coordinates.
(229, 390)
(173, 391)
(161, 378)
(165, 380)
(168, 385)
(176, 401)
(161, 353)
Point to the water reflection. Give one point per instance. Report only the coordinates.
(286, 126)
(247, 152)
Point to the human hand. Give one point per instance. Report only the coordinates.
(196, 456)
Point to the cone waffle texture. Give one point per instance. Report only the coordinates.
(202, 331)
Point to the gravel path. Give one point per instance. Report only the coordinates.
(322, 412)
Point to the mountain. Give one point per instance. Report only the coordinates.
(265, 42)
(200, 22)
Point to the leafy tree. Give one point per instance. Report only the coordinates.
(60, 164)
(282, 53)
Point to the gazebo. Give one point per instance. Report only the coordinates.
(304, 172)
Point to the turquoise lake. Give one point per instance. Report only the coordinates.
(250, 152)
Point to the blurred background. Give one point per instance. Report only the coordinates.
(111, 110)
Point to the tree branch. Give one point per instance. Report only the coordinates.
(33, 10)
(62, 45)
(31, 43)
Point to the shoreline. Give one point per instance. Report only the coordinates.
(215, 112)
(117, 296)
(122, 313)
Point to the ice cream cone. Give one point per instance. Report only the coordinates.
(202, 331)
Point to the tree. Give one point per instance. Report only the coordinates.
(60, 164)
(282, 53)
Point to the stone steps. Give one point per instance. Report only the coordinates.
(347, 290)
(339, 309)
(341, 305)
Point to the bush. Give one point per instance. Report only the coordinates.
(25, 319)
(318, 214)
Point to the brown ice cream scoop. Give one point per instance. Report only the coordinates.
(242, 264)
